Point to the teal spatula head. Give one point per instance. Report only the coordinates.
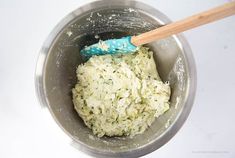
(112, 46)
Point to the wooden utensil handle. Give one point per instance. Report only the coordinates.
(214, 14)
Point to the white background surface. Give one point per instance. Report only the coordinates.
(27, 130)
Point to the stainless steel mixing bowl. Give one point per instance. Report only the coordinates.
(59, 57)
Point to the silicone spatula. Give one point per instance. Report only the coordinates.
(130, 43)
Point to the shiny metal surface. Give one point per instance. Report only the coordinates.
(59, 57)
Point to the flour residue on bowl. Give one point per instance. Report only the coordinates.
(177, 73)
(69, 33)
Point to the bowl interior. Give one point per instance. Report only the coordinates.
(63, 57)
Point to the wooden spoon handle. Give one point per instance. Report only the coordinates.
(214, 14)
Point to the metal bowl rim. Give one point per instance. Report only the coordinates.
(175, 126)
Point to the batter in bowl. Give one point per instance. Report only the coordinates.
(120, 94)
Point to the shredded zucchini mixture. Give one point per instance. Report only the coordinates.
(120, 95)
